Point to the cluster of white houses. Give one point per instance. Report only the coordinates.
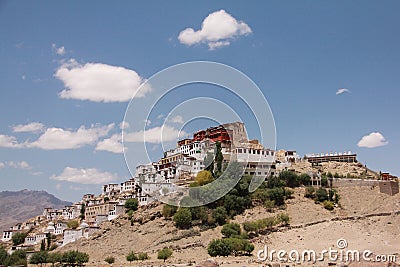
(176, 166)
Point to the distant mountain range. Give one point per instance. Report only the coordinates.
(19, 206)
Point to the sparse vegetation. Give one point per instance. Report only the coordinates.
(164, 254)
(19, 238)
(183, 218)
(131, 256)
(73, 224)
(230, 246)
(168, 211)
(131, 204)
(328, 205)
(109, 260)
(231, 229)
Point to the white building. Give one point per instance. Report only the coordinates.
(33, 239)
(7, 235)
(84, 230)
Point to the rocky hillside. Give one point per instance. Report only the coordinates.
(19, 206)
(366, 218)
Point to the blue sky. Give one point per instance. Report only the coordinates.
(55, 56)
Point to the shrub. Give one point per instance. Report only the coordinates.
(269, 205)
(231, 229)
(109, 260)
(291, 178)
(228, 246)
(321, 195)
(220, 215)
(143, 256)
(328, 205)
(203, 178)
(283, 218)
(219, 247)
(277, 195)
(131, 204)
(168, 211)
(73, 224)
(39, 257)
(324, 181)
(199, 213)
(131, 257)
(164, 254)
(183, 218)
(310, 192)
(305, 179)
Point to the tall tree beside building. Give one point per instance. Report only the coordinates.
(209, 162)
(219, 158)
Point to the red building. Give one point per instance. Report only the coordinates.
(218, 133)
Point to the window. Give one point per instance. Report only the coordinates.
(239, 150)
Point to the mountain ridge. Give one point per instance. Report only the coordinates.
(19, 206)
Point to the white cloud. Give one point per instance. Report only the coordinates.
(177, 119)
(84, 176)
(19, 165)
(1, 165)
(20, 44)
(57, 138)
(99, 82)
(216, 30)
(374, 139)
(23, 77)
(112, 144)
(154, 135)
(147, 122)
(342, 90)
(9, 141)
(59, 50)
(33, 127)
(124, 125)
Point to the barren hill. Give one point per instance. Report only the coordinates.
(19, 206)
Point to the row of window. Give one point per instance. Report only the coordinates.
(254, 151)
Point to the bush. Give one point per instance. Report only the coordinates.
(220, 215)
(321, 195)
(324, 181)
(328, 205)
(310, 192)
(269, 205)
(131, 204)
(291, 178)
(19, 238)
(39, 257)
(231, 229)
(74, 257)
(305, 179)
(183, 218)
(283, 218)
(109, 260)
(143, 256)
(228, 246)
(219, 247)
(164, 254)
(131, 257)
(277, 195)
(73, 224)
(203, 178)
(168, 211)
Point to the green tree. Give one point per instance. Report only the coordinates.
(83, 209)
(277, 195)
(274, 181)
(231, 229)
(43, 245)
(18, 257)
(131, 204)
(74, 257)
(310, 192)
(168, 210)
(54, 257)
(305, 179)
(81, 258)
(109, 259)
(39, 258)
(220, 215)
(164, 254)
(209, 162)
(291, 178)
(3, 255)
(183, 218)
(19, 238)
(219, 247)
(219, 158)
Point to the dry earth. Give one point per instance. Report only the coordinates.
(366, 220)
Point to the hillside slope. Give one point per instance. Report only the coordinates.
(19, 206)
